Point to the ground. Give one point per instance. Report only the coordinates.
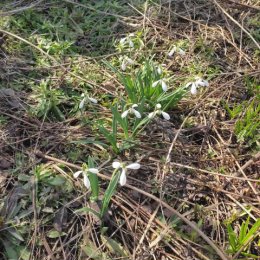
(69, 72)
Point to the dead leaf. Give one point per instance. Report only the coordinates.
(60, 219)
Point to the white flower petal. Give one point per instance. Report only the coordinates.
(181, 51)
(151, 115)
(155, 83)
(158, 106)
(116, 165)
(82, 95)
(137, 114)
(123, 66)
(164, 86)
(206, 83)
(122, 179)
(133, 166)
(172, 51)
(82, 103)
(76, 174)
(122, 41)
(134, 105)
(159, 70)
(86, 181)
(165, 115)
(188, 84)
(130, 61)
(193, 89)
(131, 44)
(93, 100)
(203, 83)
(124, 114)
(93, 170)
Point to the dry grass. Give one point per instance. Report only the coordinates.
(193, 164)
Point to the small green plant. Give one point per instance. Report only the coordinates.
(90, 179)
(247, 126)
(12, 226)
(48, 100)
(241, 241)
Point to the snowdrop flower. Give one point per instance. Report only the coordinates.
(177, 50)
(131, 110)
(127, 40)
(159, 70)
(198, 82)
(120, 165)
(86, 99)
(125, 62)
(162, 83)
(158, 111)
(85, 175)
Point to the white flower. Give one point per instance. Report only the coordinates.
(158, 111)
(159, 70)
(131, 110)
(131, 44)
(162, 83)
(85, 175)
(85, 99)
(118, 165)
(125, 62)
(127, 40)
(198, 82)
(177, 50)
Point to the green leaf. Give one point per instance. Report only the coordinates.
(56, 181)
(109, 193)
(251, 232)
(24, 253)
(110, 138)
(117, 118)
(15, 234)
(54, 234)
(88, 210)
(10, 250)
(243, 230)
(93, 252)
(232, 238)
(93, 178)
(113, 246)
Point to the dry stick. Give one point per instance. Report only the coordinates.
(248, 163)
(242, 6)
(238, 165)
(237, 23)
(208, 27)
(175, 212)
(241, 206)
(214, 173)
(21, 9)
(146, 230)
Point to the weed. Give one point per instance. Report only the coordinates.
(240, 241)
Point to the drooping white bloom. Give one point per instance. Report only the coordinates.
(159, 70)
(162, 83)
(127, 41)
(177, 50)
(125, 62)
(131, 110)
(86, 99)
(124, 167)
(85, 175)
(158, 111)
(198, 82)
